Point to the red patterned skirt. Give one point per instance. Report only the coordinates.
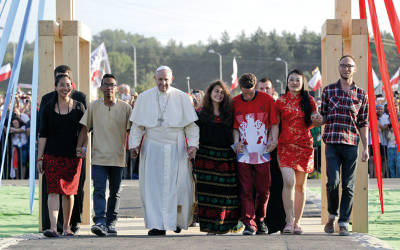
(62, 174)
(300, 158)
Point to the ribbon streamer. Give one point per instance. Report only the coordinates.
(372, 113)
(32, 136)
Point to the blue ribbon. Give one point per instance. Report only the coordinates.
(14, 78)
(32, 139)
(2, 9)
(3, 48)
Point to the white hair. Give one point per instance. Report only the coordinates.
(163, 68)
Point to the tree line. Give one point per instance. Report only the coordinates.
(255, 53)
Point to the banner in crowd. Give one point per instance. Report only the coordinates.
(99, 65)
(5, 72)
(235, 82)
(394, 81)
(316, 80)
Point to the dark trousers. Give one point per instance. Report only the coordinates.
(344, 157)
(76, 217)
(257, 175)
(100, 174)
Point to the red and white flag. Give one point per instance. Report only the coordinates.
(235, 82)
(316, 80)
(375, 79)
(394, 81)
(5, 72)
(99, 65)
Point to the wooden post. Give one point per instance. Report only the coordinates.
(331, 52)
(360, 53)
(66, 42)
(343, 12)
(354, 36)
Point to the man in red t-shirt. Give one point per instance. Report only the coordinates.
(254, 118)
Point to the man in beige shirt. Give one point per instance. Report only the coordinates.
(108, 119)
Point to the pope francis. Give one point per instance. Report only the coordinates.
(164, 117)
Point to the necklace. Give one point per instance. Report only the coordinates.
(161, 111)
(59, 110)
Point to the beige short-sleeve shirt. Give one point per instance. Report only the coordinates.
(109, 127)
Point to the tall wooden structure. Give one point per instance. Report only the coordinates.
(341, 36)
(66, 41)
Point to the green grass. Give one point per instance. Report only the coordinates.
(14, 211)
(383, 226)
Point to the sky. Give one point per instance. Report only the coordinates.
(189, 21)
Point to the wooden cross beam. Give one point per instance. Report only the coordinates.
(342, 36)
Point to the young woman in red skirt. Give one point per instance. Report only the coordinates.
(57, 155)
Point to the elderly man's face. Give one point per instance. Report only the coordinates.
(163, 79)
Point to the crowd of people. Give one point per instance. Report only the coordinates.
(250, 154)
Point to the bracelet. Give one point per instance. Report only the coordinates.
(40, 159)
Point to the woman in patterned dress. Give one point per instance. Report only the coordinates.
(57, 152)
(297, 111)
(216, 181)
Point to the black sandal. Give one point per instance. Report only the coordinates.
(51, 234)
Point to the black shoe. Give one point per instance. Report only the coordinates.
(261, 228)
(248, 230)
(330, 226)
(178, 230)
(75, 228)
(99, 230)
(111, 230)
(156, 232)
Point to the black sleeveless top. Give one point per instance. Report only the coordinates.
(61, 130)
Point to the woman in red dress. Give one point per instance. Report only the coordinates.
(57, 155)
(297, 111)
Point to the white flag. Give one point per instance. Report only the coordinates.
(235, 82)
(375, 79)
(99, 65)
(316, 80)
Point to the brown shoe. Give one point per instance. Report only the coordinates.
(343, 231)
(329, 226)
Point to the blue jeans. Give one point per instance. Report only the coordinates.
(100, 174)
(393, 162)
(340, 156)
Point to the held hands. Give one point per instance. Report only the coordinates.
(239, 147)
(271, 145)
(81, 152)
(192, 152)
(134, 152)
(316, 118)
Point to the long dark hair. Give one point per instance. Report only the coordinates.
(305, 103)
(225, 107)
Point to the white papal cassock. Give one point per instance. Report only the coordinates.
(165, 177)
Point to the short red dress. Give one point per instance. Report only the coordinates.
(295, 144)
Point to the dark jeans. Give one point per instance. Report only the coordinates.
(344, 156)
(100, 174)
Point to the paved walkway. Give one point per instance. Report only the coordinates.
(133, 234)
